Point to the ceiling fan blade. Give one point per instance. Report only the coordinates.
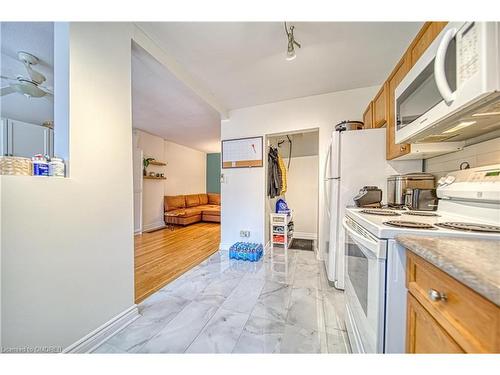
(6, 90)
(48, 90)
(8, 78)
(35, 76)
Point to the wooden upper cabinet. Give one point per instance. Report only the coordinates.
(380, 107)
(425, 37)
(394, 150)
(368, 116)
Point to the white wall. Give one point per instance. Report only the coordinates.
(186, 170)
(185, 173)
(67, 244)
(302, 194)
(243, 193)
(153, 191)
(478, 155)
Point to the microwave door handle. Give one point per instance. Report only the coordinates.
(439, 67)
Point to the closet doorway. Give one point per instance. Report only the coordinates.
(299, 187)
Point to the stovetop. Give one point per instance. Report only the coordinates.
(387, 225)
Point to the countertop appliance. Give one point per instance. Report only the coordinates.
(368, 196)
(398, 184)
(355, 158)
(421, 199)
(375, 291)
(452, 93)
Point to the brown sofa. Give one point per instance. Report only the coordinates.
(189, 209)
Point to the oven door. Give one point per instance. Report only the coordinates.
(364, 288)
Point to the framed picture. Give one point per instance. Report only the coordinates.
(242, 152)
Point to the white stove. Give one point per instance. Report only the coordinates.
(469, 207)
(377, 224)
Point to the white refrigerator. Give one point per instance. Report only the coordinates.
(356, 158)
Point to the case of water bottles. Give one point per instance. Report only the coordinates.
(246, 251)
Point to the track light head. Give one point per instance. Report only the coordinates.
(290, 53)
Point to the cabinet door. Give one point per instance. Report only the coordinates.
(26, 139)
(380, 110)
(428, 33)
(368, 116)
(394, 150)
(424, 334)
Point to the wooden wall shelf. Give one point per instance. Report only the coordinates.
(154, 178)
(154, 162)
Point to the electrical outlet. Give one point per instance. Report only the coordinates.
(244, 233)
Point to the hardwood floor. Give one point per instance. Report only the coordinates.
(164, 255)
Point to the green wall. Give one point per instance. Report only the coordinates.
(213, 173)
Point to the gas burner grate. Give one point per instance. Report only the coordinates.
(380, 212)
(469, 227)
(413, 213)
(409, 224)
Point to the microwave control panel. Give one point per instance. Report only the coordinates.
(468, 52)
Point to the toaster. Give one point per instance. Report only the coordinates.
(421, 199)
(368, 196)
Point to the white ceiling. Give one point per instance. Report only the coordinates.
(164, 106)
(243, 63)
(36, 38)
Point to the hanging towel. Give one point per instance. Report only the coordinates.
(283, 175)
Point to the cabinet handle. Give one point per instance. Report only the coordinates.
(436, 296)
(402, 148)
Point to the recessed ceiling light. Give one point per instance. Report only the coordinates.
(290, 52)
(462, 125)
(486, 114)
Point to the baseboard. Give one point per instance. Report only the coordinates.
(103, 333)
(305, 235)
(157, 225)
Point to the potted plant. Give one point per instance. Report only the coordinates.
(146, 162)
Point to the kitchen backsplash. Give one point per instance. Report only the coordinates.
(477, 155)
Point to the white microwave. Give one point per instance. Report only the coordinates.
(452, 91)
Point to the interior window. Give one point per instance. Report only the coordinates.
(27, 111)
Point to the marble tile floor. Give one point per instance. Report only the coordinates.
(281, 304)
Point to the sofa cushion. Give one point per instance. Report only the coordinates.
(203, 198)
(184, 212)
(214, 198)
(192, 200)
(173, 202)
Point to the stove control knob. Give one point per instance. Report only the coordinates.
(441, 181)
(449, 180)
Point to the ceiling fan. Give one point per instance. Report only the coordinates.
(30, 87)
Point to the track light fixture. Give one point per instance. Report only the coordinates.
(290, 53)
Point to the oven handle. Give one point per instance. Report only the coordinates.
(361, 239)
(439, 67)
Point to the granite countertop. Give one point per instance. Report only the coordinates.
(473, 262)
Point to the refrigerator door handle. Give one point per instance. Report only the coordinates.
(326, 178)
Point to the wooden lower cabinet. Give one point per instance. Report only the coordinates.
(424, 334)
(446, 316)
